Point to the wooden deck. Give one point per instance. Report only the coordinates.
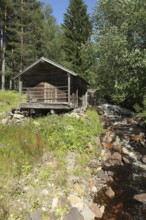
(49, 106)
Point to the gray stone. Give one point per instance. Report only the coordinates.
(18, 116)
(73, 214)
(93, 164)
(125, 159)
(88, 213)
(110, 193)
(141, 198)
(52, 217)
(99, 211)
(34, 216)
(144, 159)
(63, 202)
(4, 121)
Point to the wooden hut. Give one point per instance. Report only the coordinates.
(48, 85)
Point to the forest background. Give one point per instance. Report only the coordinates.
(108, 48)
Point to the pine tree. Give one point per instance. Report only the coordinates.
(26, 34)
(5, 17)
(77, 30)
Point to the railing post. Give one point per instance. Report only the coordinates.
(69, 87)
(20, 90)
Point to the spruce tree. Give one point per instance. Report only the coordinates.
(77, 30)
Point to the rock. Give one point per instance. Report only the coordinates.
(34, 216)
(138, 137)
(79, 189)
(107, 145)
(54, 203)
(99, 110)
(94, 189)
(141, 198)
(88, 213)
(98, 211)
(102, 175)
(75, 201)
(93, 164)
(63, 202)
(109, 136)
(117, 146)
(110, 193)
(2, 145)
(116, 156)
(18, 116)
(125, 159)
(90, 146)
(144, 159)
(45, 192)
(26, 188)
(73, 214)
(52, 217)
(4, 121)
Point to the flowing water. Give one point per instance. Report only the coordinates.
(129, 179)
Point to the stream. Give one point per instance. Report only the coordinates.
(124, 141)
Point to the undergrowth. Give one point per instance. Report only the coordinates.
(23, 147)
(23, 143)
(8, 100)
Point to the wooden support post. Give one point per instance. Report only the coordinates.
(69, 87)
(76, 98)
(83, 101)
(20, 90)
(86, 99)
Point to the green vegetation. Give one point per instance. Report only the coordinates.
(110, 53)
(21, 144)
(34, 154)
(8, 100)
(77, 30)
(119, 51)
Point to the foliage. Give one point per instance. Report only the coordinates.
(8, 100)
(77, 30)
(119, 51)
(142, 110)
(28, 31)
(21, 144)
(70, 132)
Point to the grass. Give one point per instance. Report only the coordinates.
(8, 100)
(23, 147)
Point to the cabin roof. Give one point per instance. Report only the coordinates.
(43, 59)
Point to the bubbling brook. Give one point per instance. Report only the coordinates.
(125, 143)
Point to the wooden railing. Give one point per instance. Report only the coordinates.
(46, 95)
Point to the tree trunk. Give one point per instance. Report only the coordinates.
(21, 36)
(4, 51)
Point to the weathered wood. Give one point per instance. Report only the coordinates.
(54, 105)
(20, 90)
(69, 87)
(76, 102)
(86, 99)
(48, 84)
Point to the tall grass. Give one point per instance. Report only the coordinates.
(23, 143)
(8, 100)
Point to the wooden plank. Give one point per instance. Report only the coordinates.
(76, 104)
(45, 106)
(86, 99)
(69, 87)
(20, 90)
